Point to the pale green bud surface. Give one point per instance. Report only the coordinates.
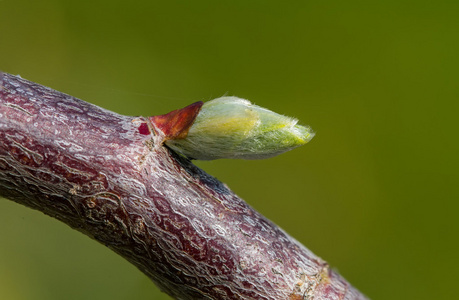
(231, 127)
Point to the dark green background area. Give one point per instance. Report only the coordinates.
(375, 193)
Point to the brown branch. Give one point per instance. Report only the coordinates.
(110, 177)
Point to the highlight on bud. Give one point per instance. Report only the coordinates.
(231, 127)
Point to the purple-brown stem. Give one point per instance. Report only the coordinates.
(110, 177)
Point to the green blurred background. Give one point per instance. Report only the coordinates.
(375, 192)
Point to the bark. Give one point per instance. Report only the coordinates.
(110, 177)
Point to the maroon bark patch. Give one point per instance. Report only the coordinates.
(143, 129)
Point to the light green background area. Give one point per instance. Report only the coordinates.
(375, 193)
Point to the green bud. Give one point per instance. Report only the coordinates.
(231, 127)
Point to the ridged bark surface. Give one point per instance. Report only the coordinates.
(109, 176)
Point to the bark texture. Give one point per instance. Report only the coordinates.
(110, 177)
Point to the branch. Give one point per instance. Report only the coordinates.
(110, 177)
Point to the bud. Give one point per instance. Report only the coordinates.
(230, 127)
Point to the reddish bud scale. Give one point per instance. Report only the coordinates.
(177, 123)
